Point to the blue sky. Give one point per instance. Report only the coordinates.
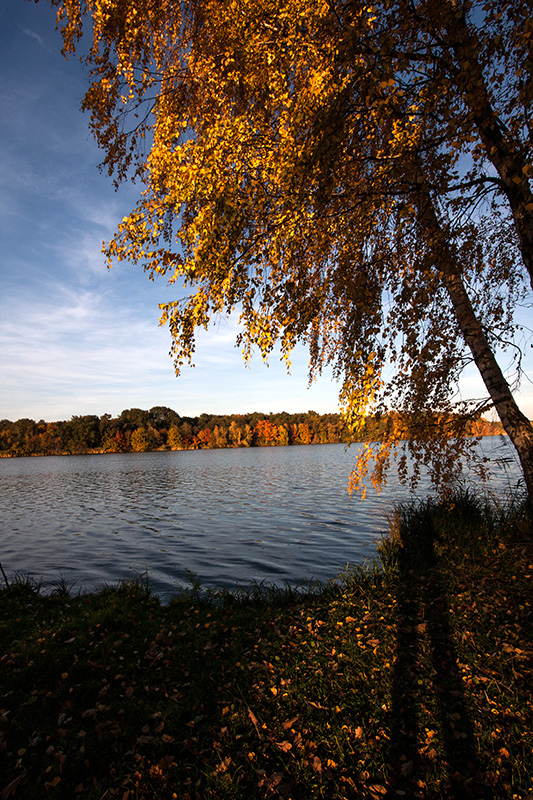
(76, 338)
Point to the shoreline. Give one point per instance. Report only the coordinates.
(99, 452)
(408, 680)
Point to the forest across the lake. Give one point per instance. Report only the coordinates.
(161, 428)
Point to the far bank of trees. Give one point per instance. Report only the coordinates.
(161, 428)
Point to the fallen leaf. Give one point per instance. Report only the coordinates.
(289, 723)
(224, 765)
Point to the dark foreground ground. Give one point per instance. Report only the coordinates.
(411, 680)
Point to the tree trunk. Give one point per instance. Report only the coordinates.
(516, 424)
(504, 151)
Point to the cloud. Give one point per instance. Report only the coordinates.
(33, 35)
(76, 341)
(78, 350)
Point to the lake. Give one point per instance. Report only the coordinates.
(279, 514)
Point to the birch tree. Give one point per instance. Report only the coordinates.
(350, 175)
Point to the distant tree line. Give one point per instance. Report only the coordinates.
(161, 428)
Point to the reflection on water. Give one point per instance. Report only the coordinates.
(230, 516)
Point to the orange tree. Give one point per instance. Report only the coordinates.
(352, 175)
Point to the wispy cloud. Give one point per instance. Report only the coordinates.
(32, 34)
(78, 351)
(77, 344)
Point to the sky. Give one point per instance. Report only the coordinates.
(75, 337)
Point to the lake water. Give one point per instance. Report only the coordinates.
(277, 515)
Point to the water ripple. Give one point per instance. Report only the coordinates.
(230, 516)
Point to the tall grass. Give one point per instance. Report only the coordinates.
(467, 519)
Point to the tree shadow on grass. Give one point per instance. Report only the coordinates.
(427, 676)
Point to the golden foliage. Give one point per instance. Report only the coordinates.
(289, 150)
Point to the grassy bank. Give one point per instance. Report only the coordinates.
(409, 681)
